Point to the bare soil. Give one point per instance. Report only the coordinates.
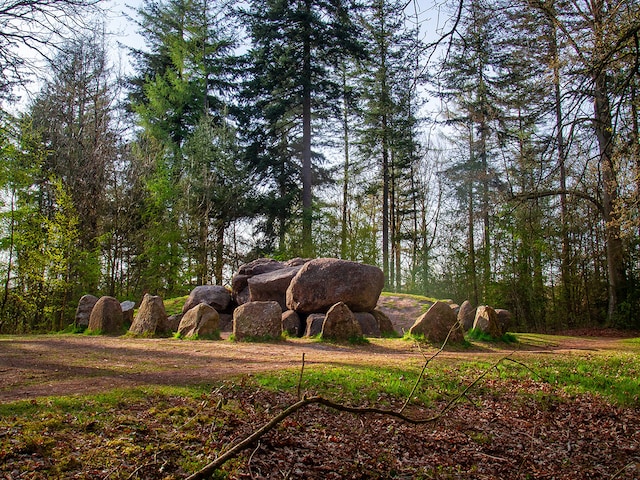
(515, 429)
(45, 365)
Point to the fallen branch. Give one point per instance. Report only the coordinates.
(210, 468)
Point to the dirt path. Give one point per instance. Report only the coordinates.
(37, 366)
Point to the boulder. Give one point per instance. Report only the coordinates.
(368, 324)
(83, 312)
(436, 323)
(201, 320)
(127, 311)
(323, 282)
(260, 266)
(291, 323)
(340, 323)
(384, 322)
(173, 322)
(106, 316)
(504, 319)
(466, 315)
(314, 324)
(486, 321)
(257, 320)
(240, 288)
(151, 318)
(215, 296)
(240, 281)
(272, 285)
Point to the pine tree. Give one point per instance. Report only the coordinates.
(296, 48)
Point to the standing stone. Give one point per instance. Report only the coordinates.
(466, 315)
(215, 296)
(151, 318)
(384, 323)
(487, 321)
(106, 316)
(83, 312)
(173, 322)
(436, 323)
(291, 323)
(323, 282)
(314, 324)
(504, 319)
(368, 324)
(340, 323)
(257, 320)
(202, 320)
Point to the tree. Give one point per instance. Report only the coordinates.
(389, 112)
(37, 26)
(296, 51)
(73, 114)
(180, 96)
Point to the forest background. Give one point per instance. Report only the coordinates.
(480, 149)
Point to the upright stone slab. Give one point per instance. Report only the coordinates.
(340, 324)
(323, 282)
(83, 312)
(201, 320)
(487, 321)
(151, 318)
(106, 316)
(257, 320)
(436, 323)
(466, 315)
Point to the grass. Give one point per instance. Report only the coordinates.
(479, 335)
(183, 426)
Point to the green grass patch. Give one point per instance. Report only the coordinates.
(173, 306)
(420, 298)
(214, 336)
(479, 335)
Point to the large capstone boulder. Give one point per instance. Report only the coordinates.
(438, 324)
(504, 319)
(257, 320)
(323, 282)
(272, 285)
(215, 296)
(466, 315)
(368, 324)
(106, 317)
(83, 312)
(201, 321)
(486, 321)
(151, 318)
(340, 324)
(240, 281)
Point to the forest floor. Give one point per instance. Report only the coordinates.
(508, 428)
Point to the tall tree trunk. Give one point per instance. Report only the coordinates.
(346, 170)
(307, 212)
(219, 261)
(614, 247)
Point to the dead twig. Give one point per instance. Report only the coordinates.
(210, 468)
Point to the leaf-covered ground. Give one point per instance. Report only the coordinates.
(503, 429)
